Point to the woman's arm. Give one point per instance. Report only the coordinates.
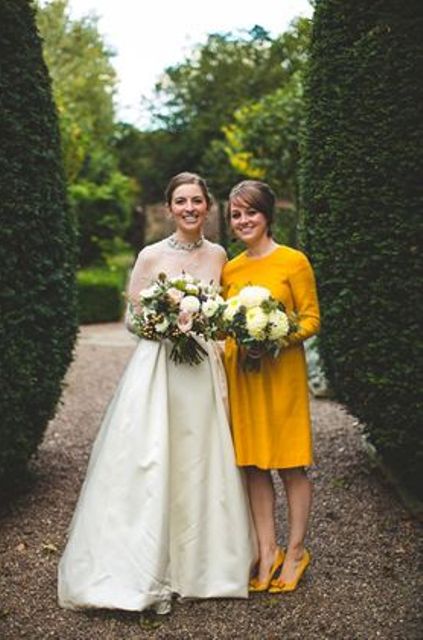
(141, 277)
(306, 304)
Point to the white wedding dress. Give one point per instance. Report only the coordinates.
(163, 508)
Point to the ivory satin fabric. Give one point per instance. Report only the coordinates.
(163, 508)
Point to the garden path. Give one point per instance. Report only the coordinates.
(363, 582)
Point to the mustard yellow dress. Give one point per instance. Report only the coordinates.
(270, 409)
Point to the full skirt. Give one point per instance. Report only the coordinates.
(163, 508)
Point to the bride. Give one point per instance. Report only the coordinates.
(163, 509)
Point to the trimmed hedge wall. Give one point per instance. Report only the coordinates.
(100, 295)
(362, 205)
(37, 245)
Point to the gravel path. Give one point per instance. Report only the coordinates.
(363, 582)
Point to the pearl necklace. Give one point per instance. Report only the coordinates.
(173, 242)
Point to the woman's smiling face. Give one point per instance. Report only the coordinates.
(248, 224)
(189, 208)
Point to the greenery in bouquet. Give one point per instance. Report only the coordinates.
(180, 309)
(258, 323)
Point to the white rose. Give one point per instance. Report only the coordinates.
(184, 322)
(149, 292)
(162, 326)
(175, 295)
(256, 321)
(209, 307)
(231, 307)
(252, 296)
(190, 304)
(279, 324)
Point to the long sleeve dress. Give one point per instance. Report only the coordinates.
(270, 409)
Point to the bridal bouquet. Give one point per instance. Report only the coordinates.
(179, 309)
(258, 323)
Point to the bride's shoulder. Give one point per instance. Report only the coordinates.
(151, 251)
(216, 250)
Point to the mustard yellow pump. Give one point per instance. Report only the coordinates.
(256, 585)
(277, 586)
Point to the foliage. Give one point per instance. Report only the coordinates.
(150, 157)
(195, 99)
(100, 294)
(84, 84)
(37, 242)
(103, 212)
(362, 206)
(262, 142)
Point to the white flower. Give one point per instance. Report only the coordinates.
(175, 294)
(211, 289)
(184, 322)
(161, 327)
(149, 292)
(190, 304)
(231, 307)
(252, 296)
(279, 324)
(209, 307)
(256, 321)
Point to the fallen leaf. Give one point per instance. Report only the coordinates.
(49, 547)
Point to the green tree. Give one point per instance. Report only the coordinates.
(84, 82)
(37, 245)
(150, 157)
(198, 97)
(362, 206)
(263, 140)
(195, 101)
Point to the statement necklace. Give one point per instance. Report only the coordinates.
(173, 242)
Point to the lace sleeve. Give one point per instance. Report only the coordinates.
(129, 319)
(140, 277)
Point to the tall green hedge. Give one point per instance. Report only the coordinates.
(362, 205)
(37, 245)
(101, 294)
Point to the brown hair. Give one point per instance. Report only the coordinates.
(255, 194)
(187, 178)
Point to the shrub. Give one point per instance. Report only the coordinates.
(103, 213)
(100, 294)
(362, 205)
(37, 245)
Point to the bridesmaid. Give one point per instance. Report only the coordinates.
(270, 408)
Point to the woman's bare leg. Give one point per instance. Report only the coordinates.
(298, 490)
(262, 501)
